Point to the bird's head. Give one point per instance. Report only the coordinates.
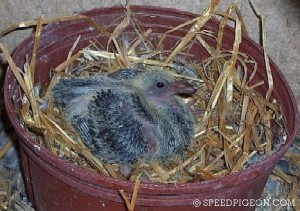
(161, 86)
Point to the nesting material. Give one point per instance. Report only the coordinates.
(236, 125)
(233, 120)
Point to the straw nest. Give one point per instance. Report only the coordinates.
(238, 126)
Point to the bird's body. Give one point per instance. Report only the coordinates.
(128, 115)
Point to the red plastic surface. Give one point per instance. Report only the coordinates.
(54, 184)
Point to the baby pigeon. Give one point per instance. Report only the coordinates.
(129, 114)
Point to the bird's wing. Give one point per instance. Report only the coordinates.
(66, 91)
(114, 126)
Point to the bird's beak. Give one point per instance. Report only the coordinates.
(183, 87)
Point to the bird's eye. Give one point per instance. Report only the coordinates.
(160, 85)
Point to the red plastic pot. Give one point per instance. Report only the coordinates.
(54, 184)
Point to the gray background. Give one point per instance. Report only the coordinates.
(282, 21)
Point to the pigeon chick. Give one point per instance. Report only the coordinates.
(129, 114)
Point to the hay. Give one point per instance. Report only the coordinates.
(228, 101)
(234, 128)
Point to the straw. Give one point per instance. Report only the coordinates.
(234, 122)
